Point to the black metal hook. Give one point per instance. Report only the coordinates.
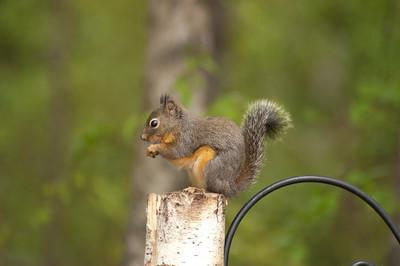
(307, 179)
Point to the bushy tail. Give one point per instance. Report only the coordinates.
(263, 119)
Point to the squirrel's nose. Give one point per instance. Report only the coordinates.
(143, 137)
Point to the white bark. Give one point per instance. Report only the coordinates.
(185, 228)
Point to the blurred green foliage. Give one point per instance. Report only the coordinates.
(334, 65)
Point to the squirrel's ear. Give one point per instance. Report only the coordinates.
(170, 107)
(164, 99)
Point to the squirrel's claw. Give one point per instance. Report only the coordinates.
(151, 151)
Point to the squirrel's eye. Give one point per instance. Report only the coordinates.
(154, 123)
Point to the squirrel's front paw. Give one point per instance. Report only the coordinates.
(152, 151)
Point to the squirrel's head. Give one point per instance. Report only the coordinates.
(167, 118)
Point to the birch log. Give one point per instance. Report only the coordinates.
(185, 228)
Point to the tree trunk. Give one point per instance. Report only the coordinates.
(185, 228)
(59, 125)
(178, 31)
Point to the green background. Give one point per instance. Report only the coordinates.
(334, 65)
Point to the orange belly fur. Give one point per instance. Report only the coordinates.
(195, 164)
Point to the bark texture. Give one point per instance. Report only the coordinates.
(185, 228)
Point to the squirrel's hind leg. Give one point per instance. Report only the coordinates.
(201, 157)
(220, 176)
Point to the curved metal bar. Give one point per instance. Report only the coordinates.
(362, 263)
(305, 179)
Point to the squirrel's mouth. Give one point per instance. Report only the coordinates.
(154, 139)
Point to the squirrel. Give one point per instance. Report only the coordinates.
(219, 156)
